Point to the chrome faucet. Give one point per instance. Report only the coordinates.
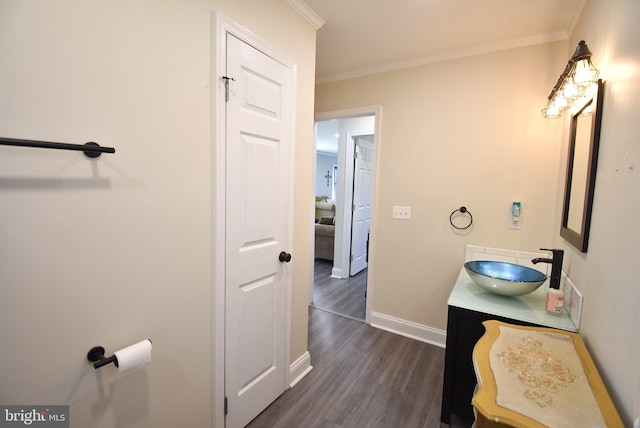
(556, 266)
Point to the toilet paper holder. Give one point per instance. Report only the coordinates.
(96, 356)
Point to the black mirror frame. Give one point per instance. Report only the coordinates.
(581, 240)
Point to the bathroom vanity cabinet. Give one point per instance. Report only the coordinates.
(468, 307)
(579, 397)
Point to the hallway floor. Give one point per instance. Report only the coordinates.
(362, 377)
(341, 296)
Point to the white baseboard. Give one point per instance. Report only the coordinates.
(410, 329)
(299, 369)
(337, 273)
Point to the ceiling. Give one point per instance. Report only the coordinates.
(327, 137)
(361, 37)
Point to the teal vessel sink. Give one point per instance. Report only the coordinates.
(505, 279)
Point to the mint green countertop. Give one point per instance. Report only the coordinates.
(528, 308)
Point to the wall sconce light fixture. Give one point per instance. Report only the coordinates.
(577, 82)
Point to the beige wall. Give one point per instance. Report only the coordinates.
(469, 132)
(607, 274)
(112, 251)
(457, 133)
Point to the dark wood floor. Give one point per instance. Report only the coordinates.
(342, 296)
(362, 377)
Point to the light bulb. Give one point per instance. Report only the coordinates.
(559, 101)
(584, 73)
(570, 90)
(551, 111)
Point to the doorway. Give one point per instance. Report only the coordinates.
(346, 142)
(254, 95)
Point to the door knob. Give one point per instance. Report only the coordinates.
(284, 257)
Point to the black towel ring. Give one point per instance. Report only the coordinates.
(462, 210)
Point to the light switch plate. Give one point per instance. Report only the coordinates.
(401, 212)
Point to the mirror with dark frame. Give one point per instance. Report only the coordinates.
(581, 171)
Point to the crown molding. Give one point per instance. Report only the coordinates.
(445, 56)
(571, 25)
(306, 12)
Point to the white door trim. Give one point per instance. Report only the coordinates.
(375, 110)
(221, 26)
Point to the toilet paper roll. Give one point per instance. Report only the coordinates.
(134, 356)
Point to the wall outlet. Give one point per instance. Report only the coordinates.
(402, 213)
(573, 301)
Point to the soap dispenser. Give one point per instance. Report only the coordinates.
(555, 296)
(555, 300)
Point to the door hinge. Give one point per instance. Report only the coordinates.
(353, 207)
(226, 87)
(226, 406)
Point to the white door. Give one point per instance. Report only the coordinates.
(362, 194)
(258, 229)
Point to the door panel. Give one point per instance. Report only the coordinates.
(261, 213)
(362, 197)
(258, 225)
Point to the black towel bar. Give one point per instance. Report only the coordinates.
(91, 149)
